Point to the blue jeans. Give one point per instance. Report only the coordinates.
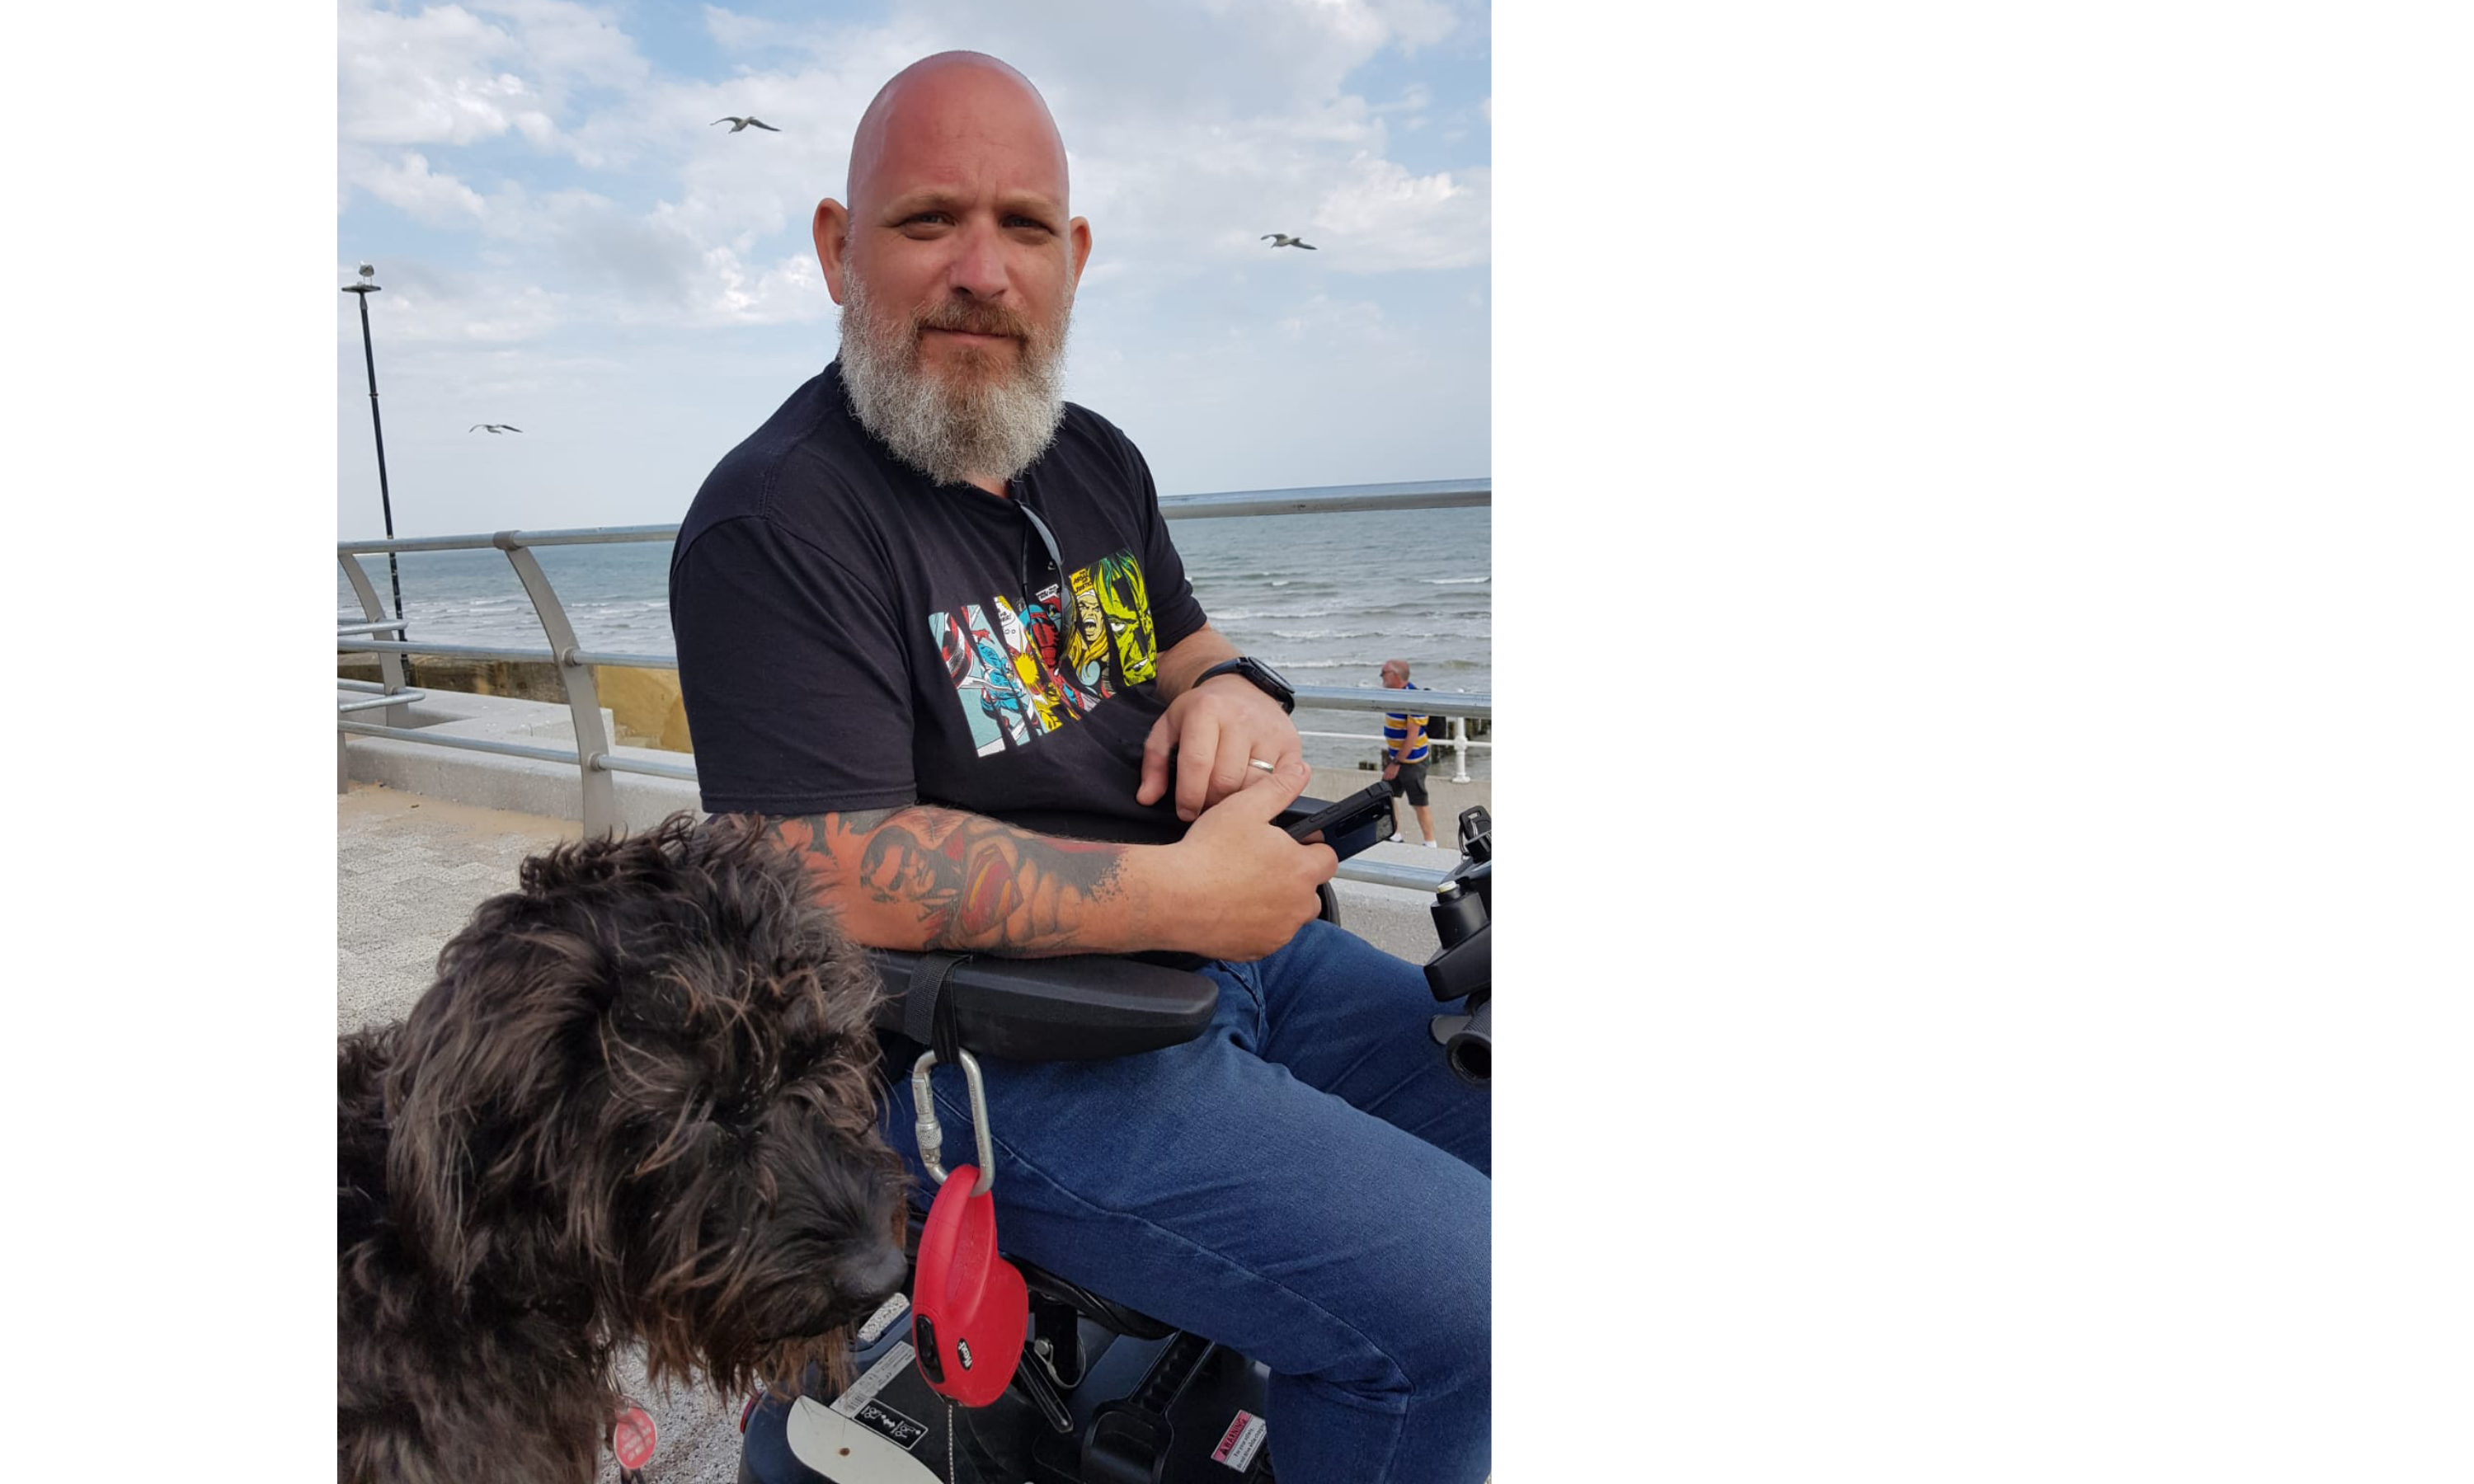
(1305, 1182)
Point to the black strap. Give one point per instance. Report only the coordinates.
(927, 1011)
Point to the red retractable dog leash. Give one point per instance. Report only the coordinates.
(970, 1309)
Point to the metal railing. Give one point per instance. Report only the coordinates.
(1457, 740)
(593, 756)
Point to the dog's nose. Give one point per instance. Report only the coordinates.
(882, 1273)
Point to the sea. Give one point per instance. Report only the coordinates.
(1325, 599)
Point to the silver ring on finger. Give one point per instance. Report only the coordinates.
(1257, 762)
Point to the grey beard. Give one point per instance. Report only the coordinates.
(950, 433)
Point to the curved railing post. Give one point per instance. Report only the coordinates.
(1460, 750)
(575, 679)
(390, 665)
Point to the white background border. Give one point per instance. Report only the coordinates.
(1990, 987)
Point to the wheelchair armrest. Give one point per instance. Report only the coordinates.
(1077, 1009)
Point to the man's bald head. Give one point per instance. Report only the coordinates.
(946, 94)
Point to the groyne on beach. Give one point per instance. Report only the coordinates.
(644, 705)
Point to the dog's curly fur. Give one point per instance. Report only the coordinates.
(638, 1105)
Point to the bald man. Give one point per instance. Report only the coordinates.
(932, 629)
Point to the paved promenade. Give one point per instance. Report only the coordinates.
(408, 873)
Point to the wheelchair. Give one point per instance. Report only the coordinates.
(1103, 1393)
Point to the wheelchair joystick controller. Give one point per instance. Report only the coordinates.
(1464, 967)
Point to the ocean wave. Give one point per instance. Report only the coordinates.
(1453, 581)
(1422, 614)
(1420, 662)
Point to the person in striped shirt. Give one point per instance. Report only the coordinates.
(1405, 754)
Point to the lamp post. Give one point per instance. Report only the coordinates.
(386, 506)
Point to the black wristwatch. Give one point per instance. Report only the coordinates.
(1266, 678)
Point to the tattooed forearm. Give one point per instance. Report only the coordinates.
(946, 878)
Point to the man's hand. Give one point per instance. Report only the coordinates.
(1244, 887)
(1216, 728)
(1391, 771)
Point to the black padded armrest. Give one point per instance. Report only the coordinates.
(1077, 1009)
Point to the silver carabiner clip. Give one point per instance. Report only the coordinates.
(931, 1133)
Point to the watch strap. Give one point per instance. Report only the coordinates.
(1252, 671)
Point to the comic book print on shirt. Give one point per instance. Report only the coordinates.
(1022, 669)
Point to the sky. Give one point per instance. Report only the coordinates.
(565, 242)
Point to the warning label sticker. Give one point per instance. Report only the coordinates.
(1241, 1441)
(863, 1391)
(893, 1424)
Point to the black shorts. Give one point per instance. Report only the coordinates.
(1410, 783)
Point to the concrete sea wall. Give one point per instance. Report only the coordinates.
(644, 705)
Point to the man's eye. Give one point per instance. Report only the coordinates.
(924, 219)
(1032, 222)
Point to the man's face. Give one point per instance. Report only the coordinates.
(1391, 678)
(956, 264)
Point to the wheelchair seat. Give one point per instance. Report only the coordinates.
(1073, 1008)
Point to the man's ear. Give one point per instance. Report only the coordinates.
(1079, 231)
(831, 232)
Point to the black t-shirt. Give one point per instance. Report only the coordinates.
(854, 635)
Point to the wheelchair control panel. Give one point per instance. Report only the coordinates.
(1464, 967)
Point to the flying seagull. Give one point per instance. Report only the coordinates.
(1284, 240)
(495, 427)
(737, 123)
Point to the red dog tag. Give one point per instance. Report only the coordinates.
(631, 1438)
(970, 1309)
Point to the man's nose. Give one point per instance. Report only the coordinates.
(979, 266)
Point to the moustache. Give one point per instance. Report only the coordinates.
(971, 318)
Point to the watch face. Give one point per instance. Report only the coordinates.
(1272, 675)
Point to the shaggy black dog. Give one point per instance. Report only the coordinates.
(638, 1105)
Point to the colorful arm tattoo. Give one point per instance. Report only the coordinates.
(967, 881)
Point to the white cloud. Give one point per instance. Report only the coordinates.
(407, 185)
(421, 303)
(431, 78)
(1413, 99)
(1366, 25)
(1381, 218)
(447, 75)
(733, 32)
(587, 260)
(1416, 23)
(791, 291)
(571, 45)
